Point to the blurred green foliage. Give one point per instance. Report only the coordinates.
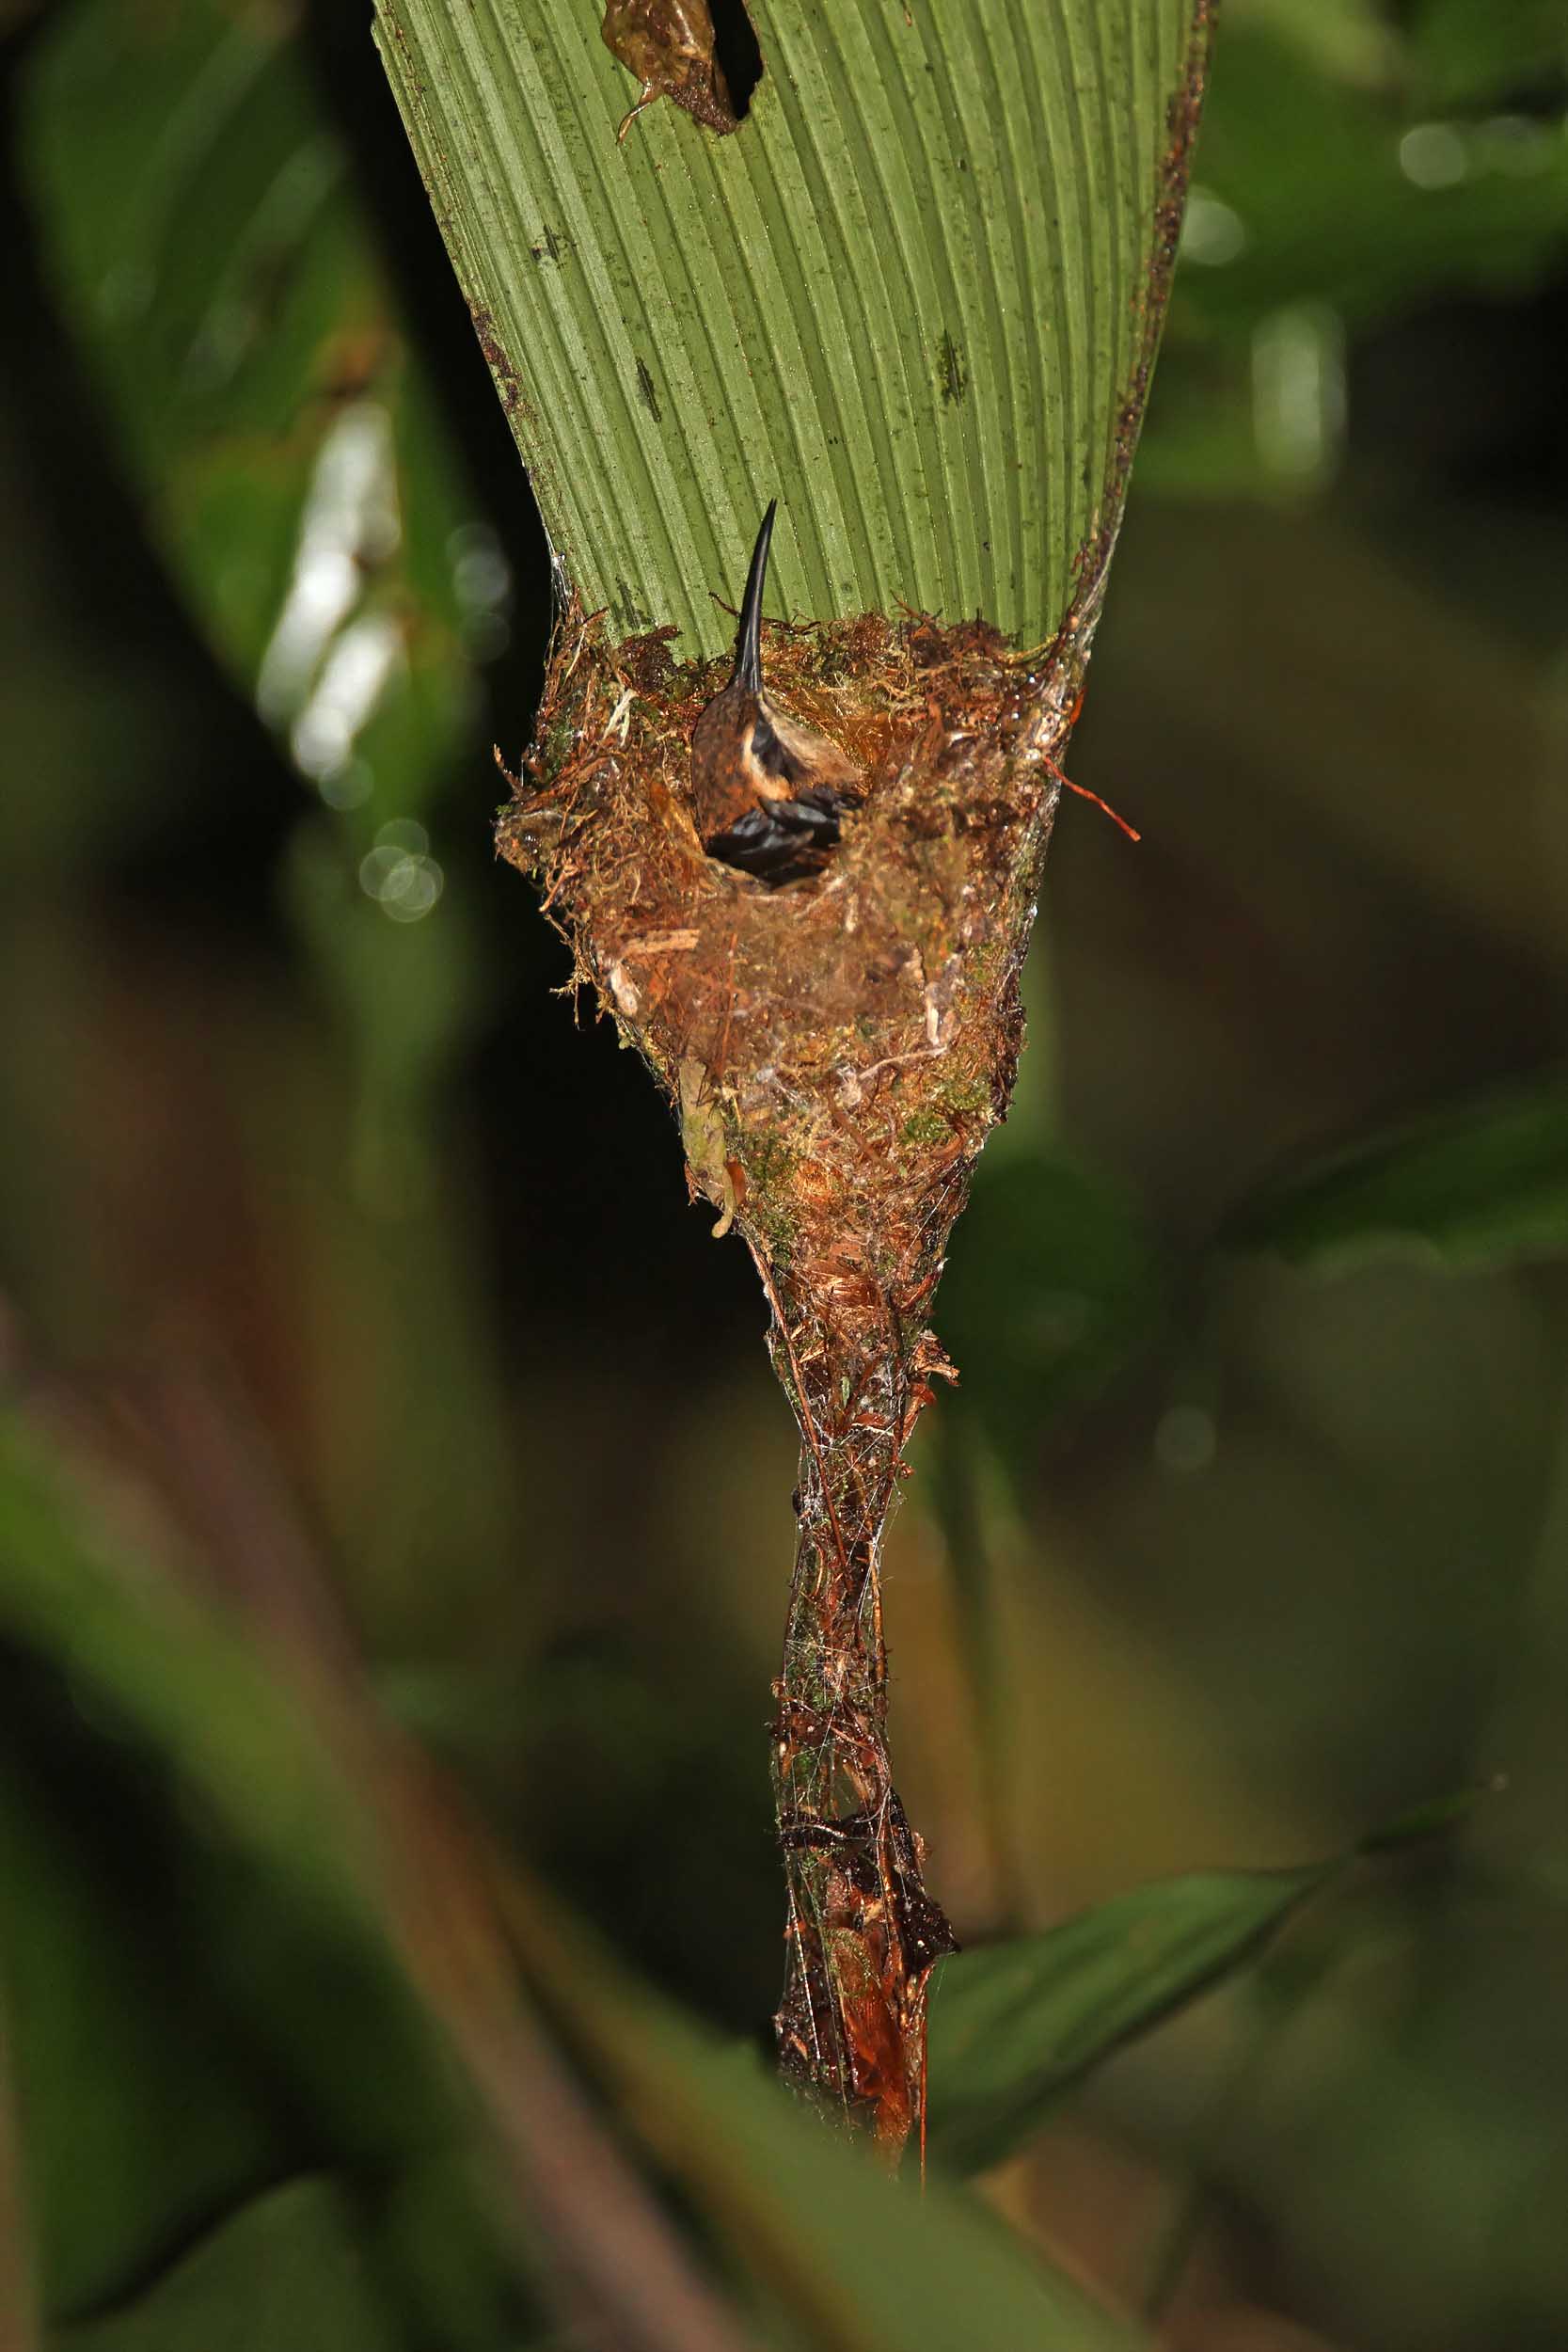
(225, 285)
(363, 1375)
(1013, 2026)
(1483, 1184)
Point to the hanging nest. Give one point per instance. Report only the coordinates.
(836, 1052)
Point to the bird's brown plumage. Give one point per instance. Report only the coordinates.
(767, 793)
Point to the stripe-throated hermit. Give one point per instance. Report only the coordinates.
(767, 793)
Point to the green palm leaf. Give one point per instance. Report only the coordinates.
(915, 294)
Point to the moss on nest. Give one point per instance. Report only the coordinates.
(858, 1031)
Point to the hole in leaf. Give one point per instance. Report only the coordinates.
(737, 49)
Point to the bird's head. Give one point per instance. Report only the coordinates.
(756, 772)
(722, 757)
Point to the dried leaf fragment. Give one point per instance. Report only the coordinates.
(703, 1133)
(669, 46)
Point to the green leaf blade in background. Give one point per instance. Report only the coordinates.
(845, 2258)
(1014, 2024)
(909, 295)
(1332, 205)
(1352, 170)
(1481, 1183)
(852, 2257)
(301, 2037)
(1054, 1287)
(134, 2137)
(1464, 52)
(289, 2269)
(219, 272)
(856, 2259)
(322, 2263)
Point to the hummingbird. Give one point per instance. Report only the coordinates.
(766, 792)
